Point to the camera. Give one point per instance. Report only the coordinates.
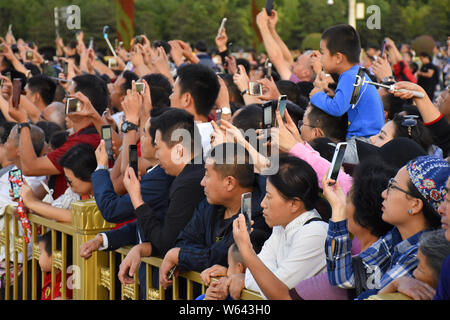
(112, 63)
(29, 55)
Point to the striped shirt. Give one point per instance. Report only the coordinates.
(387, 259)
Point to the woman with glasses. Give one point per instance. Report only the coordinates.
(78, 163)
(410, 204)
(404, 126)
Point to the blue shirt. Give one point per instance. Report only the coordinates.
(443, 289)
(366, 118)
(386, 260)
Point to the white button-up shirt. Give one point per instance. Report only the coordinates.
(294, 253)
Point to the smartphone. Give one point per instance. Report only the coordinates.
(29, 55)
(267, 115)
(218, 115)
(282, 102)
(254, 89)
(133, 158)
(73, 105)
(269, 70)
(140, 87)
(17, 90)
(8, 75)
(112, 63)
(338, 159)
(269, 7)
(65, 68)
(383, 48)
(246, 208)
(222, 26)
(10, 28)
(106, 135)
(2, 47)
(91, 43)
(15, 178)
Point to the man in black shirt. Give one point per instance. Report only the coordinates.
(179, 151)
(205, 240)
(427, 77)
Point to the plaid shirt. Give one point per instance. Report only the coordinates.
(387, 259)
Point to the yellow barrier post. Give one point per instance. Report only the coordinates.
(88, 222)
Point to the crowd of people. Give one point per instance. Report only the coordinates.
(171, 140)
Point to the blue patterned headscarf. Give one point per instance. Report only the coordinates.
(429, 175)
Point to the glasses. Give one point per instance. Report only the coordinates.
(409, 122)
(391, 186)
(301, 124)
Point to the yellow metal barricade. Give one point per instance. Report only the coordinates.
(91, 279)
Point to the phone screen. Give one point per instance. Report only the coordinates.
(338, 158)
(267, 117)
(383, 48)
(255, 89)
(246, 207)
(133, 158)
(282, 101)
(15, 176)
(72, 105)
(106, 132)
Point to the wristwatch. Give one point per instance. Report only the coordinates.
(100, 167)
(22, 125)
(243, 93)
(128, 126)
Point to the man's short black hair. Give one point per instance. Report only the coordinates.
(95, 89)
(344, 39)
(129, 76)
(43, 85)
(201, 46)
(202, 83)
(160, 89)
(232, 159)
(81, 160)
(333, 127)
(178, 119)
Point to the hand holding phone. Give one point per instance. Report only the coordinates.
(222, 26)
(281, 107)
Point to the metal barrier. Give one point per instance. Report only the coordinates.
(91, 279)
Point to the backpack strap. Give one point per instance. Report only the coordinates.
(311, 220)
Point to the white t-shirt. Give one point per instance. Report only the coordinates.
(295, 253)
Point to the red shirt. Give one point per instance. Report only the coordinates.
(87, 135)
(46, 293)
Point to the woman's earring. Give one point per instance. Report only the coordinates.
(410, 211)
